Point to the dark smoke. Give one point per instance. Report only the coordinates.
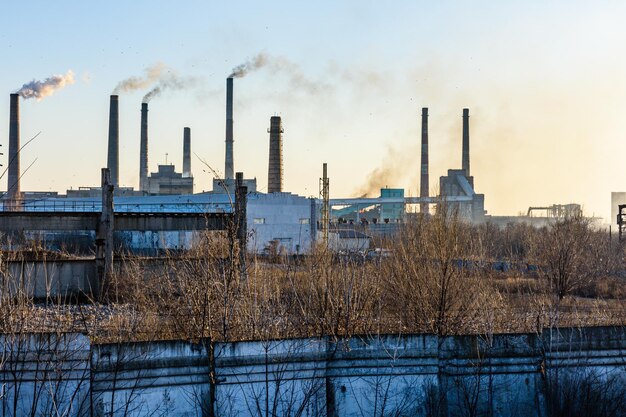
(397, 165)
(258, 61)
(152, 74)
(170, 81)
(277, 64)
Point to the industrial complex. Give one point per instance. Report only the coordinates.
(277, 221)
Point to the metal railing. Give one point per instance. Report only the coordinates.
(96, 206)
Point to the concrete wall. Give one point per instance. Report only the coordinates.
(502, 375)
(44, 375)
(51, 279)
(168, 378)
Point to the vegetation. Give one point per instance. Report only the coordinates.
(440, 275)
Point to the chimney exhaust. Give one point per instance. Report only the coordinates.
(229, 164)
(466, 144)
(424, 181)
(143, 149)
(113, 157)
(275, 169)
(187, 152)
(13, 180)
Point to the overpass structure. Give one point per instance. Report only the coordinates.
(103, 218)
(397, 200)
(15, 222)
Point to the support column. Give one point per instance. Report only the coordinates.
(241, 222)
(104, 237)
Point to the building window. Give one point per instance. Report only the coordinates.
(259, 220)
(305, 221)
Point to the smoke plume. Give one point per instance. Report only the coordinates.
(169, 81)
(258, 61)
(41, 89)
(396, 165)
(152, 74)
(278, 64)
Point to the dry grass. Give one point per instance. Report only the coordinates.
(421, 287)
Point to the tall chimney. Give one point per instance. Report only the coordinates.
(424, 172)
(275, 170)
(187, 152)
(113, 158)
(13, 181)
(229, 164)
(466, 146)
(143, 149)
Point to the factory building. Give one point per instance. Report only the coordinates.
(277, 221)
(391, 212)
(460, 183)
(617, 198)
(281, 223)
(227, 185)
(166, 181)
(348, 241)
(96, 192)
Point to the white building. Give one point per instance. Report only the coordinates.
(282, 221)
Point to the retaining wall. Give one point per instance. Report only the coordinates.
(503, 375)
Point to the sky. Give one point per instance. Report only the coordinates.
(544, 82)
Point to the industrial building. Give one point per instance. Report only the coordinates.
(277, 221)
(617, 198)
(166, 181)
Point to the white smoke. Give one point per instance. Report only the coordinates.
(40, 89)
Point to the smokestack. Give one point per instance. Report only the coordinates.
(275, 170)
(229, 164)
(113, 158)
(466, 151)
(143, 149)
(13, 181)
(187, 152)
(424, 172)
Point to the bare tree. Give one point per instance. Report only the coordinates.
(432, 278)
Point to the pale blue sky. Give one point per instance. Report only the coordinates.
(543, 81)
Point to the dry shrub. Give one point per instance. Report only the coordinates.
(604, 288)
(435, 287)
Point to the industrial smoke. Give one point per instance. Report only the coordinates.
(169, 81)
(241, 70)
(152, 74)
(40, 89)
(159, 78)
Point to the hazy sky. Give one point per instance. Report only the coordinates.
(544, 81)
